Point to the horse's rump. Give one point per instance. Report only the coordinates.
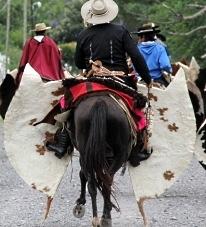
(102, 134)
(116, 118)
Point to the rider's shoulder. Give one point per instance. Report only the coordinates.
(159, 46)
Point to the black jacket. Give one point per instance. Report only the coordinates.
(110, 44)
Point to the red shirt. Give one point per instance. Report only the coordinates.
(44, 57)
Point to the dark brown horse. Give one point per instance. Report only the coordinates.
(103, 139)
(7, 91)
(200, 117)
(176, 66)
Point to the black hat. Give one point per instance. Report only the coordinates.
(147, 28)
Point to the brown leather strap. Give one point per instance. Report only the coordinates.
(99, 70)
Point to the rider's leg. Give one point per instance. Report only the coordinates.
(62, 143)
(140, 151)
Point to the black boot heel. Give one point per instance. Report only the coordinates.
(62, 144)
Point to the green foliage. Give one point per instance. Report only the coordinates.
(16, 38)
(14, 54)
(2, 37)
(169, 15)
(172, 25)
(65, 18)
(51, 12)
(68, 51)
(71, 24)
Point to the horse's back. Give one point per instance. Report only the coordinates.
(114, 112)
(117, 125)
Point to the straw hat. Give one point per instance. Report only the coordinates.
(40, 27)
(99, 11)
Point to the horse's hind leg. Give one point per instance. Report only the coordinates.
(82, 198)
(93, 193)
(106, 220)
(79, 209)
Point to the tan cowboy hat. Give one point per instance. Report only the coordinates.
(99, 11)
(40, 27)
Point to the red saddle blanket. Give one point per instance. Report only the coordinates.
(77, 91)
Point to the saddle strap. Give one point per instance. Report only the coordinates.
(99, 70)
(131, 121)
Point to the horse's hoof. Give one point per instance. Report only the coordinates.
(96, 222)
(106, 222)
(79, 211)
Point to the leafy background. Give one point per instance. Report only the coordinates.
(64, 16)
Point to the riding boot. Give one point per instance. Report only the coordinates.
(62, 143)
(139, 152)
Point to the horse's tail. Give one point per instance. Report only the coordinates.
(94, 162)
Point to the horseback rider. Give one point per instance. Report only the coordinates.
(108, 43)
(159, 37)
(154, 53)
(43, 54)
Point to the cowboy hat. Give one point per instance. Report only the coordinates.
(147, 28)
(153, 26)
(99, 11)
(40, 27)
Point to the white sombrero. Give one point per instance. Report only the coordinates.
(99, 11)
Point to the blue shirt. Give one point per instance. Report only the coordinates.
(156, 58)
